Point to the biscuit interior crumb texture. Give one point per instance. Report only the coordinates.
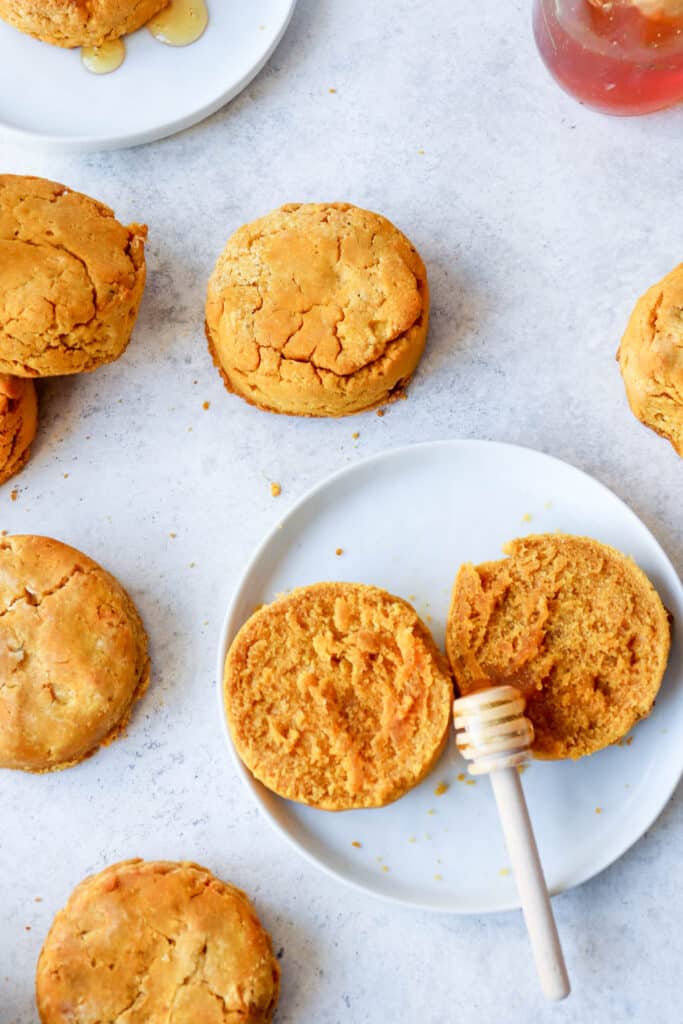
(651, 358)
(71, 279)
(571, 622)
(145, 942)
(73, 655)
(18, 421)
(318, 310)
(76, 22)
(337, 696)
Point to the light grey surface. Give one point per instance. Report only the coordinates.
(540, 223)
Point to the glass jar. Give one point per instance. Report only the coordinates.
(617, 56)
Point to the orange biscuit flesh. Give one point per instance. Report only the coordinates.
(651, 358)
(18, 423)
(337, 696)
(318, 310)
(73, 655)
(571, 622)
(71, 279)
(148, 942)
(75, 23)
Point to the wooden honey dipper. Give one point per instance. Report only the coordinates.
(493, 733)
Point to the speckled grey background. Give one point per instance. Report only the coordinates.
(540, 223)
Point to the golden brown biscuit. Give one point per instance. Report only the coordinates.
(73, 655)
(18, 422)
(79, 22)
(337, 696)
(71, 279)
(571, 622)
(318, 309)
(651, 358)
(157, 942)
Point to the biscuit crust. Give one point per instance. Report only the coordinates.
(318, 310)
(71, 279)
(157, 942)
(571, 622)
(337, 696)
(18, 422)
(651, 358)
(79, 22)
(73, 655)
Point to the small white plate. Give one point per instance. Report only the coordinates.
(406, 520)
(48, 97)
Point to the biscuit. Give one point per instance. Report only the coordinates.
(337, 696)
(75, 23)
(73, 655)
(153, 942)
(318, 310)
(651, 358)
(71, 279)
(18, 421)
(571, 622)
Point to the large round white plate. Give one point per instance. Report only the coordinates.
(405, 521)
(48, 97)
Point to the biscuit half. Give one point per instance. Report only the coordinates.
(571, 622)
(337, 696)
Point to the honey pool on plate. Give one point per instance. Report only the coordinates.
(181, 23)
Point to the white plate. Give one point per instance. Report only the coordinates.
(406, 520)
(48, 97)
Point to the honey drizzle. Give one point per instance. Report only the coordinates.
(102, 60)
(181, 23)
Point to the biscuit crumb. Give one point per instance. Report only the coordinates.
(629, 741)
(412, 839)
(598, 810)
(504, 872)
(461, 777)
(548, 504)
(14, 494)
(66, 476)
(206, 405)
(38, 899)
(339, 551)
(27, 927)
(431, 811)
(521, 768)
(332, 90)
(384, 868)
(356, 844)
(275, 490)
(470, 782)
(527, 517)
(192, 565)
(380, 412)
(438, 878)
(421, 152)
(442, 788)
(355, 436)
(173, 535)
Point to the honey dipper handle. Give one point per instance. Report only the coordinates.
(533, 892)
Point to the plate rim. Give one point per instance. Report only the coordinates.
(102, 143)
(229, 631)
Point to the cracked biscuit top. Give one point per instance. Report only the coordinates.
(318, 310)
(79, 22)
(573, 624)
(337, 696)
(18, 420)
(146, 942)
(71, 279)
(651, 358)
(73, 655)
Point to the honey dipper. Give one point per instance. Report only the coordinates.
(493, 733)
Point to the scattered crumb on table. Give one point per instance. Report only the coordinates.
(14, 494)
(380, 412)
(442, 788)
(461, 777)
(275, 490)
(355, 435)
(470, 782)
(339, 551)
(504, 872)
(356, 844)
(527, 517)
(206, 405)
(598, 810)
